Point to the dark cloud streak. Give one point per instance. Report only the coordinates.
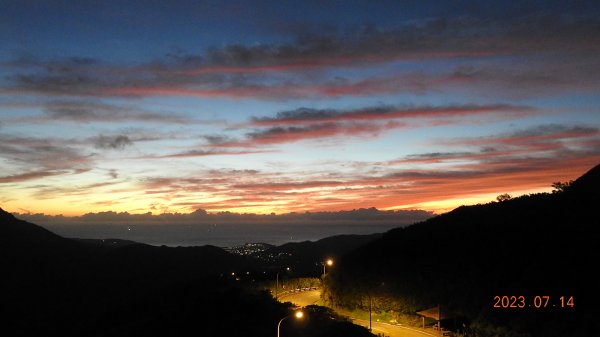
(90, 111)
(370, 216)
(40, 158)
(239, 70)
(111, 142)
(304, 115)
(30, 176)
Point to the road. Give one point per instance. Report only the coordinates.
(312, 297)
(303, 298)
(392, 330)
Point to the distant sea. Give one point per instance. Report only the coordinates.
(223, 235)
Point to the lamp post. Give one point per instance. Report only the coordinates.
(370, 326)
(277, 282)
(329, 262)
(298, 314)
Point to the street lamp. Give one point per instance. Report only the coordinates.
(277, 282)
(298, 314)
(329, 262)
(370, 326)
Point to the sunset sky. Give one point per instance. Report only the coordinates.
(292, 106)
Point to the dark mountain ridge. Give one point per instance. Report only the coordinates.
(19, 234)
(307, 257)
(23, 241)
(78, 287)
(542, 244)
(55, 285)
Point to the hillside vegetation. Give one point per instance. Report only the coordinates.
(535, 245)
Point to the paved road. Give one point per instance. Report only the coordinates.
(303, 298)
(392, 330)
(312, 297)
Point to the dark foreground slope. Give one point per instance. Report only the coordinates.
(538, 245)
(56, 286)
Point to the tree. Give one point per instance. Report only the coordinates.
(503, 197)
(559, 186)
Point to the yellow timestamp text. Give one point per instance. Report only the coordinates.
(536, 302)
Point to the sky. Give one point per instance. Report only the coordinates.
(292, 106)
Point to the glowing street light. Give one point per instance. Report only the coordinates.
(298, 314)
(329, 262)
(277, 283)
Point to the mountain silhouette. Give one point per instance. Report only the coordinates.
(587, 187)
(307, 257)
(18, 233)
(55, 285)
(77, 287)
(541, 244)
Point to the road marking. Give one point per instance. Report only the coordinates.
(395, 326)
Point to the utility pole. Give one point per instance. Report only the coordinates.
(370, 327)
(277, 281)
(439, 319)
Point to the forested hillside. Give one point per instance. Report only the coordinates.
(535, 245)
